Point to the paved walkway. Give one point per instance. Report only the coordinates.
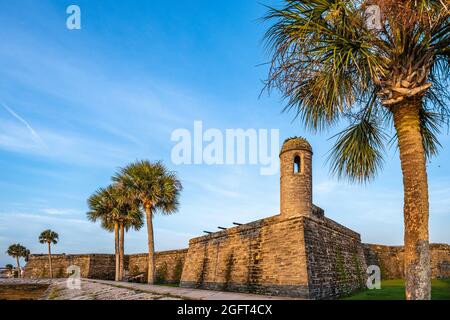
(188, 294)
(110, 290)
(90, 290)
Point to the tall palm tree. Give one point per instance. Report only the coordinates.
(332, 66)
(117, 213)
(157, 190)
(17, 251)
(49, 237)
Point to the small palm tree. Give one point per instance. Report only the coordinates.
(157, 190)
(17, 251)
(334, 67)
(49, 237)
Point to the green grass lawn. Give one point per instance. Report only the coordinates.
(395, 290)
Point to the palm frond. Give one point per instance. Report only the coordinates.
(114, 204)
(48, 236)
(358, 151)
(330, 68)
(151, 184)
(430, 125)
(323, 59)
(17, 250)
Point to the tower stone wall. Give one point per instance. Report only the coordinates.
(296, 178)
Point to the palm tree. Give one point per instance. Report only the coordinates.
(157, 190)
(331, 66)
(27, 255)
(49, 237)
(131, 218)
(101, 207)
(117, 213)
(17, 251)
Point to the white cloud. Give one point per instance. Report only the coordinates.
(59, 211)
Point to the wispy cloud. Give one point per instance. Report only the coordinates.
(33, 133)
(59, 211)
(65, 147)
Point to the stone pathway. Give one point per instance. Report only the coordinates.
(110, 290)
(90, 290)
(190, 294)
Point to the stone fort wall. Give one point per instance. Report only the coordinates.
(168, 265)
(309, 257)
(265, 256)
(91, 265)
(336, 262)
(390, 260)
(102, 266)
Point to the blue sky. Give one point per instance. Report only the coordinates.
(76, 105)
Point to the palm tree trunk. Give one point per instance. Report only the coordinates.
(151, 248)
(50, 260)
(121, 251)
(416, 206)
(18, 266)
(116, 246)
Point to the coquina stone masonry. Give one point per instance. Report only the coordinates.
(390, 260)
(91, 265)
(168, 265)
(264, 257)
